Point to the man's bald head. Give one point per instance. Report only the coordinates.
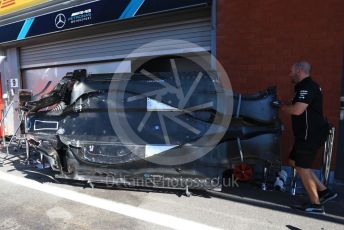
(300, 70)
(303, 66)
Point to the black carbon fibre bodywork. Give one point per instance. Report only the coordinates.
(82, 141)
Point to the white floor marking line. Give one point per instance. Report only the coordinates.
(112, 206)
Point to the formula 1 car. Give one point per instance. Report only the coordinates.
(147, 130)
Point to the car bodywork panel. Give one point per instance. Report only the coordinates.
(78, 139)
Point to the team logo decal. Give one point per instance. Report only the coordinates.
(60, 21)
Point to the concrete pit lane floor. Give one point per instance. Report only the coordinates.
(32, 199)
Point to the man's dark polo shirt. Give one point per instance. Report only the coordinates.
(309, 126)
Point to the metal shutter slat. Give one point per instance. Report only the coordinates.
(116, 44)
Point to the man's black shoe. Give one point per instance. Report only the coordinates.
(326, 196)
(310, 208)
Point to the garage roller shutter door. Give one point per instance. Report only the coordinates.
(117, 45)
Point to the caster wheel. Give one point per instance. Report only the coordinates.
(243, 172)
(187, 192)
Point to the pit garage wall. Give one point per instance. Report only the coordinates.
(10, 69)
(258, 41)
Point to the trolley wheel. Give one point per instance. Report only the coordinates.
(243, 172)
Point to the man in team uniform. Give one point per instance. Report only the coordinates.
(310, 130)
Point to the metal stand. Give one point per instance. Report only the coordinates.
(293, 184)
(238, 139)
(264, 186)
(1, 160)
(327, 157)
(326, 164)
(187, 192)
(15, 135)
(27, 149)
(24, 96)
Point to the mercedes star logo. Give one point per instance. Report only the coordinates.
(60, 21)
